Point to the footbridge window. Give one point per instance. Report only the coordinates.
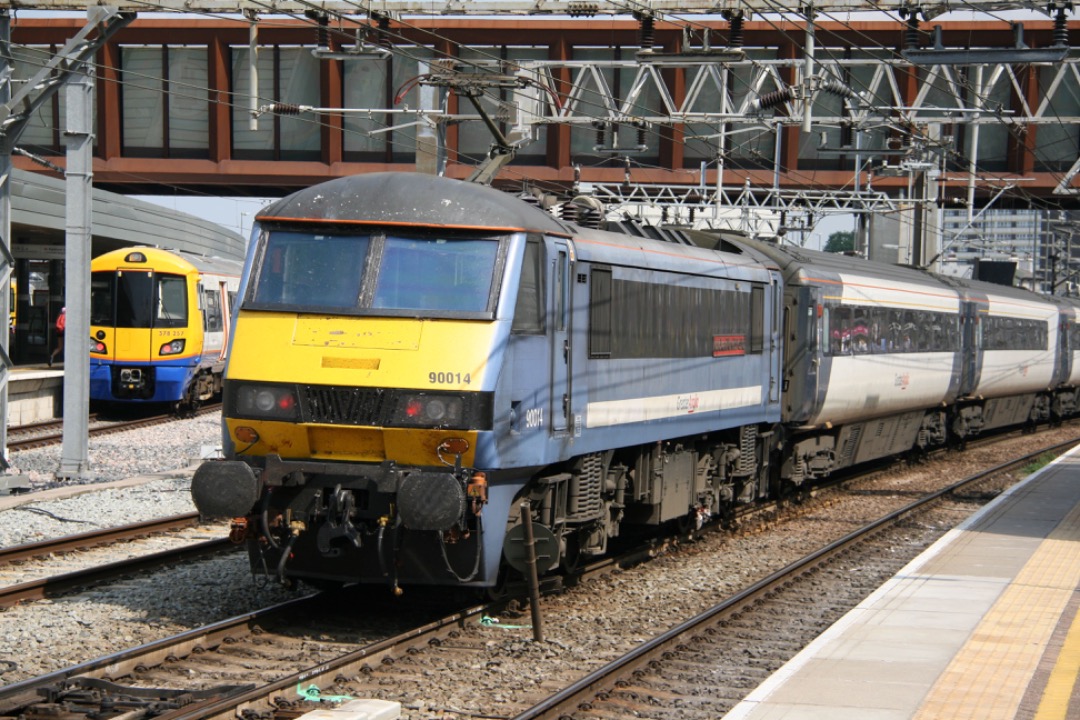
(164, 102)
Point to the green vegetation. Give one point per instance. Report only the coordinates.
(1038, 463)
(840, 241)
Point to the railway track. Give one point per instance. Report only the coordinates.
(59, 584)
(95, 538)
(664, 677)
(281, 662)
(43, 434)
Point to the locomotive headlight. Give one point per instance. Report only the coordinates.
(171, 348)
(277, 402)
(428, 410)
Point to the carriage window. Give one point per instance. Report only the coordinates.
(858, 330)
(1005, 333)
(212, 311)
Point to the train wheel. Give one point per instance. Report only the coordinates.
(792, 494)
(503, 589)
(571, 556)
(727, 518)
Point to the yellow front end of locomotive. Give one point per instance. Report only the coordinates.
(356, 352)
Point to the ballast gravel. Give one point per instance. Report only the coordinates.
(133, 475)
(168, 454)
(581, 627)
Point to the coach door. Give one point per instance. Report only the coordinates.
(562, 259)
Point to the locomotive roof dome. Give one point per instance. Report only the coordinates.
(412, 198)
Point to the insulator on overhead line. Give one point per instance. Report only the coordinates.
(583, 9)
(284, 109)
(735, 36)
(772, 99)
(382, 29)
(911, 34)
(1061, 29)
(322, 36)
(645, 29)
(601, 131)
(838, 88)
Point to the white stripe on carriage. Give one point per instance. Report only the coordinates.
(621, 412)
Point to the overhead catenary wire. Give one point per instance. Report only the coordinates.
(690, 132)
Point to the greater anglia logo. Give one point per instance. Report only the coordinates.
(687, 403)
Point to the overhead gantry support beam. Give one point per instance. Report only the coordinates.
(659, 10)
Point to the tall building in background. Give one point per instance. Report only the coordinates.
(1038, 242)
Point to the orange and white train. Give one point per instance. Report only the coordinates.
(159, 325)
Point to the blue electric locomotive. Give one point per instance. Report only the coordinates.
(415, 357)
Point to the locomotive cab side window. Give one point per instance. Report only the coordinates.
(529, 309)
(757, 319)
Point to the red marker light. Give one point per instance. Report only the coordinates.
(414, 408)
(286, 402)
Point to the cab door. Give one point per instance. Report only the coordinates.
(102, 317)
(560, 272)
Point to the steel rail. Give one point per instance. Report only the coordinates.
(54, 438)
(127, 661)
(59, 584)
(226, 705)
(604, 678)
(96, 538)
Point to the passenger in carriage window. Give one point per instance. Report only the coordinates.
(878, 343)
(860, 336)
(908, 342)
(895, 335)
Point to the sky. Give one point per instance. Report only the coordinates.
(232, 213)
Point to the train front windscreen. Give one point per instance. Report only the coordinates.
(138, 299)
(376, 273)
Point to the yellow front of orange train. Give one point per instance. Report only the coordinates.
(146, 329)
(343, 365)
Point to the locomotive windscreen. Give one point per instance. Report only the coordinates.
(437, 275)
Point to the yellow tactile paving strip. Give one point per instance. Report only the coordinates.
(989, 675)
(1061, 685)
